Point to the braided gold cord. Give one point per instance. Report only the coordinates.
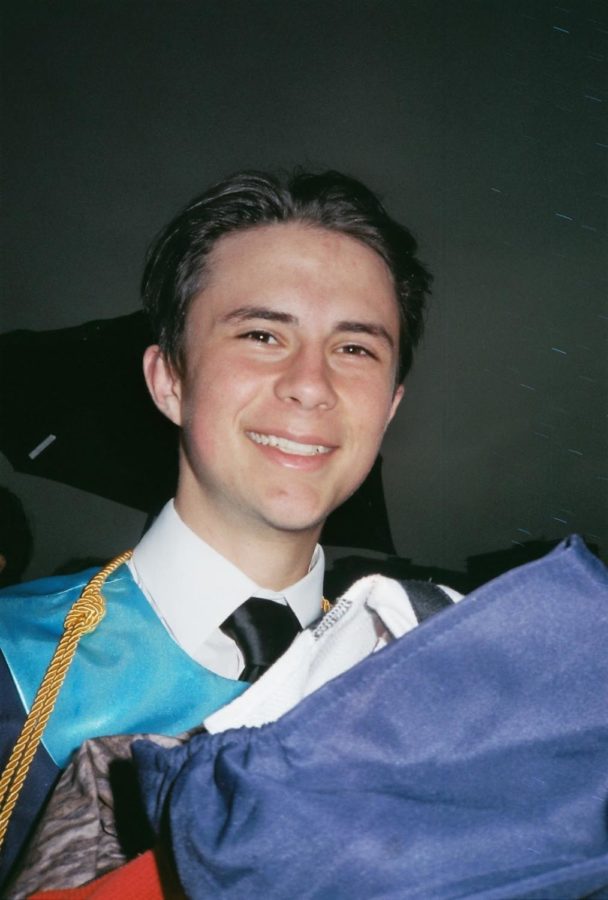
(83, 617)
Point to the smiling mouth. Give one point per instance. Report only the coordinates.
(286, 446)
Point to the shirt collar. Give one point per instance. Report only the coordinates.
(194, 588)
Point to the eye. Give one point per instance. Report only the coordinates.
(258, 336)
(357, 350)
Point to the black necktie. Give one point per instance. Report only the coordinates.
(262, 630)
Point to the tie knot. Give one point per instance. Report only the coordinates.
(262, 630)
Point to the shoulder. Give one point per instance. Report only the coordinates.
(345, 566)
(53, 585)
(41, 598)
(37, 609)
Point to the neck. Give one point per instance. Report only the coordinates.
(274, 559)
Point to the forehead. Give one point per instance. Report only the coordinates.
(299, 255)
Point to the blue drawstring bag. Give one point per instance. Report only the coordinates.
(467, 759)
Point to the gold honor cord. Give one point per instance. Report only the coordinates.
(84, 616)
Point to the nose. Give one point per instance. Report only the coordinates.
(307, 380)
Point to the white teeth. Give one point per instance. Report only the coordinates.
(288, 446)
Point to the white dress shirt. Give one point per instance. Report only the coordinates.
(193, 588)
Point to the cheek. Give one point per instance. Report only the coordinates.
(201, 412)
(199, 438)
(371, 412)
(212, 403)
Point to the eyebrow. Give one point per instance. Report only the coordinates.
(370, 328)
(245, 313)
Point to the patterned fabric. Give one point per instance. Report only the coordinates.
(95, 821)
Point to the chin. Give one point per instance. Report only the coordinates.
(299, 514)
(295, 517)
(296, 524)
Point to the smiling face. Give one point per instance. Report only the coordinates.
(289, 382)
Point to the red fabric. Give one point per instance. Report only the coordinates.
(148, 877)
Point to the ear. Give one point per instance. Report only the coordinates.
(397, 398)
(164, 383)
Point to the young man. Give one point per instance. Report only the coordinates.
(286, 318)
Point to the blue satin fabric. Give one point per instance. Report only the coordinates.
(468, 759)
(127, 676)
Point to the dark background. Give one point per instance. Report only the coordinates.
(482, 124)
